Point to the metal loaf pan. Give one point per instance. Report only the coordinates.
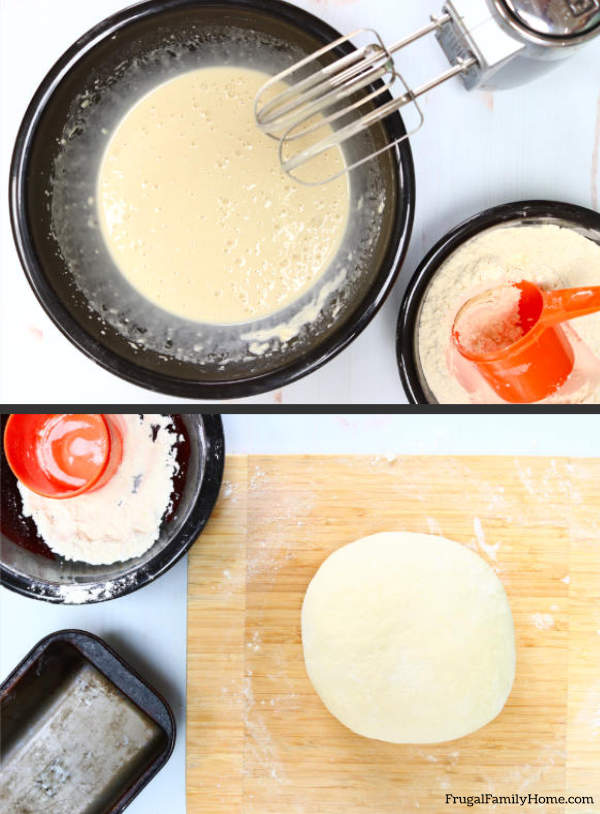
(80, 731)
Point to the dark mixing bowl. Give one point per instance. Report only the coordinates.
(53, 210)
(29, 567)
(584, 221)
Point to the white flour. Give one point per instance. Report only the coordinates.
(550, 256)
(122, 519)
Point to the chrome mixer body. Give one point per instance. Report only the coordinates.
(513, 41)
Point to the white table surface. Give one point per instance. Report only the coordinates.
(476, 150)
(149, 626)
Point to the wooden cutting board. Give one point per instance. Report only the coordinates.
(259, 741)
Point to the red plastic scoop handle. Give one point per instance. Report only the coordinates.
(567, 303)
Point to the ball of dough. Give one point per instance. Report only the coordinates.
(409, 638)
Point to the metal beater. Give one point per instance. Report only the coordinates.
(489, 44)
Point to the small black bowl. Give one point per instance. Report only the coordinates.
(52, 202)
(584, 221)
(29, 567)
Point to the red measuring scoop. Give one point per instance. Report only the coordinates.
(63, 455)
(525, 356)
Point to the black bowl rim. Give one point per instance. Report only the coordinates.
(108, 359)
(409, 310)
(74, 637)
(197, 519)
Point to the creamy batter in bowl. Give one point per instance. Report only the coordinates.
(56, 220)
(196, 211)
(464, 262)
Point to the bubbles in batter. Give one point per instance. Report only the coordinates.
(196, 211)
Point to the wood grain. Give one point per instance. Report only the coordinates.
(259, 739)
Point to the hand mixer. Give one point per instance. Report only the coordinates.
(489, 44)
